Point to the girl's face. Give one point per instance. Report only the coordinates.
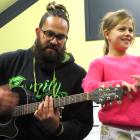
(120, 37)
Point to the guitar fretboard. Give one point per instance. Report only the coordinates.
(100, 95)
(58, 102)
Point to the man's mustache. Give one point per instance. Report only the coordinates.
(50, 46)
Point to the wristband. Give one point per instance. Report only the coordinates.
(60, 130)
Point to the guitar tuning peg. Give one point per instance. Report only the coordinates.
(108, 98)
(118, 85)
(100, 100)
(119, 101)
(103, 105)
(110, 103)
(116, 97)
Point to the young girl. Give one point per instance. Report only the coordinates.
(116, 67)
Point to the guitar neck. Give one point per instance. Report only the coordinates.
(58, 102)
(100, 95)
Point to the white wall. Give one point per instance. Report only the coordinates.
(95, 132)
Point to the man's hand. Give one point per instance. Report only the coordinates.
(49, 116)
(8, 99)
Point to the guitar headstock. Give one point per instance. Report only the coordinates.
(103, 95)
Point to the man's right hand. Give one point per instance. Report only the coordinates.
(8, 99)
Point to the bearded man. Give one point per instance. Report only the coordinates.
(46, 72)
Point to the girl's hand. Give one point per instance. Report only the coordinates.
(129, 87)
(137, 79)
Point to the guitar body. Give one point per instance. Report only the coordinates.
(8, 128)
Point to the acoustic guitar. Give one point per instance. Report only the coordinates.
(100, 96)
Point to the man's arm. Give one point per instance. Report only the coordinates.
(80, 121)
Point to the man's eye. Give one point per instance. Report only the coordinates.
(49, 33)
(60, 36)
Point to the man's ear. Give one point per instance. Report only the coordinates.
(37, 30)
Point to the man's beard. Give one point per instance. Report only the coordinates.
(46, 59)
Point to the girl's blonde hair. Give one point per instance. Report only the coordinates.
(112, 19)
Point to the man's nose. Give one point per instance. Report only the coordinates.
(54, 40)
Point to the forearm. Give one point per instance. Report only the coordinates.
(80, 124)
(73, 130)
(76, 123)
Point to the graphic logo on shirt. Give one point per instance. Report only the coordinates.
(50, 88)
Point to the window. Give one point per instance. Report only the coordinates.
(95, 10)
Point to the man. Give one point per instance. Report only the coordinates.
(45, 71)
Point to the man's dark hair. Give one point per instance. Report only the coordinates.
(54, 9)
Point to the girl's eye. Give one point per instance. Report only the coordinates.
(121, 29)
(124, 29)
(130, 30)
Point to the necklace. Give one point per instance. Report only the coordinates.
(35, 79)
(34, 74)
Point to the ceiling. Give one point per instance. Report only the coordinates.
(9, 9)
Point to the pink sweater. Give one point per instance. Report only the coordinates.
(112, 70)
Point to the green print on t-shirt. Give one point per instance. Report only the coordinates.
(50, 88)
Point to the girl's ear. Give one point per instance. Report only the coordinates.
(106, 34)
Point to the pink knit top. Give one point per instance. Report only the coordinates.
(108, 71)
